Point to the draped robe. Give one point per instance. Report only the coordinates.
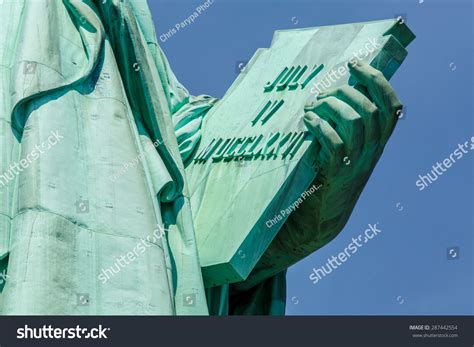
(93, 72)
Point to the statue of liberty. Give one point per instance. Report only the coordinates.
(95, 133)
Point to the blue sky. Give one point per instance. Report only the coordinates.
(405, 270)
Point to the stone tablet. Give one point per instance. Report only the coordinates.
(253, 162)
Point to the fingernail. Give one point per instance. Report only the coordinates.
(321, 95)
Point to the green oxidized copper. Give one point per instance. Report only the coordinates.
(117, 186)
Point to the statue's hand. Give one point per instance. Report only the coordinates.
(351, 129)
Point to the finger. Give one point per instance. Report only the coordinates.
(345, 121)
(363, 106)
(363, 90)
(331, 150)
(381, 92)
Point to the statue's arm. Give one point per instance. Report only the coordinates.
(187, 112)
(188, 122)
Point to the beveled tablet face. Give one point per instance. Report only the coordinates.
(254, 159)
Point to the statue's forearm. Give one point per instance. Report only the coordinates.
(187, 120)
(315, 223)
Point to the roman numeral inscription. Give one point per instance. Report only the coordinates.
(275, 144)
(290, 78)
(268, 110)
(269, 146)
